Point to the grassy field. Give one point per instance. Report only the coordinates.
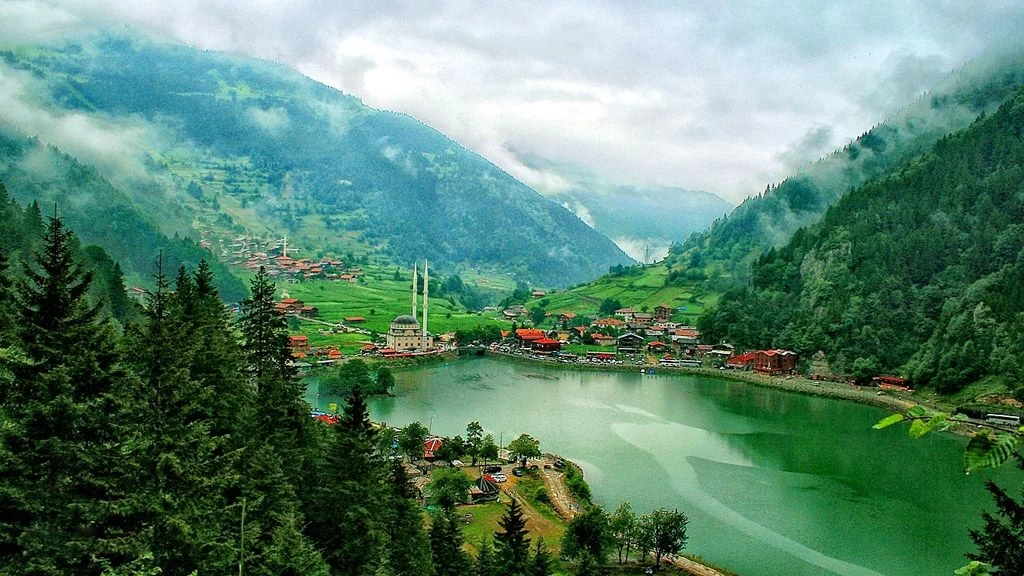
(379, 300)
(645, 291)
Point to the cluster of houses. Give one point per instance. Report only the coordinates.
(295, 307)
(671, 343)
(301, 350)
(250, 254)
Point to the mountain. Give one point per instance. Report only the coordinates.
(643, 220)
(100, 213)
(246, 147)
(919, 271)
(724, 252)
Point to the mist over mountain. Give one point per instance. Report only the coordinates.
(227, 146)
(723, 253)
(643, 220)
(102, 214)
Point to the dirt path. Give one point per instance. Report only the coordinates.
(694, 568)
(561, 500)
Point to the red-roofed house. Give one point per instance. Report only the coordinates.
(603, 339)
(742, 362)
(774, 362)
(431, 446)
(608, 323)
(657, 346)
(686, 336)
(526, 336)
(547, 345)
(298, 343)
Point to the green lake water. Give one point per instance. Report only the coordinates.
(774, 483)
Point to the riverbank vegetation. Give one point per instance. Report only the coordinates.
(919, 272)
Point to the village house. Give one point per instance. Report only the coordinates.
(742, 361)
(662, 312)
(657, 346)
(774, 362)
(527, 336)
(686, 336)
(643, 318)
(608, 323)
(603, 339)
(298, 343)
(547, 345)
(626, 314)
(629, 343)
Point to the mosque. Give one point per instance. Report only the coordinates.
(405, 332)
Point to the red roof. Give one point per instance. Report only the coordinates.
(529, 334)
(568, 315)
(289, 301)
(430, 446)
(329, 419)
(300, 339)
(743, 358)
(656, 344)
(547, 341)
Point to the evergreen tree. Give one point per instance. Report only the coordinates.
(65, 475)
(511, 545)
(347, 521)
(1001, 541)
(486, 563)
(8, 332)
(281, 416)
(186, 471)
(446, 546)
(540, 564)
(408, 546)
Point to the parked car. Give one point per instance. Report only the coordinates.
(499, 477)
(518, 472)
(491, 469)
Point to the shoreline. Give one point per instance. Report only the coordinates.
(896, 402)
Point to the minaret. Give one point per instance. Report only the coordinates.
(414, 287)
(426, 301)
(284, 250)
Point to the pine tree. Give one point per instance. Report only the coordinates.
(407, 546)
(65, 471)
(446, 546)
(346, 518)
(511, 544)
(280, 413)
(1001, 541)
(186, 471)
(486, 563)
(540, 564)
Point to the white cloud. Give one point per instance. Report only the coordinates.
(707, 95)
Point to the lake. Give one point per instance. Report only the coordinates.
(774, 483)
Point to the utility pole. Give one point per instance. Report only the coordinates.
(241, 541)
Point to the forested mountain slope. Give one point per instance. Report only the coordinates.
(724, 252)
(100, 213)
(249, 147)
(920, 271)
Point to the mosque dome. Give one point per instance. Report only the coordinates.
(405, 319)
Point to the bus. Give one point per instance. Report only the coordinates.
(1003, 419)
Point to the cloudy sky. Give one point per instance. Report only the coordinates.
(717, 96)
